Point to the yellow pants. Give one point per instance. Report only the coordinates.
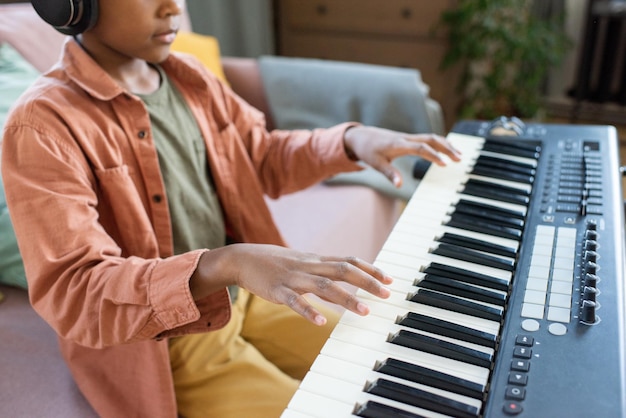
(250, 368)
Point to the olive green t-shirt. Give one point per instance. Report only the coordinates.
(196, 214)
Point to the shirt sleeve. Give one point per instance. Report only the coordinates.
(81, 280)
(285, 160)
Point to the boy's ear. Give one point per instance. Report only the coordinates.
(70, 17)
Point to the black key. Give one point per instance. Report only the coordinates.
(491, 215)
(481, 170)
(498, 223)
(500, 187)
(507, 165)
(420, 398)
(516, 143)
(432, 378)
(495, 192)
(509, 213)
(473, 256)
(441, 348)
(511, 149)
(477, 244)
(372, 409)
(466, 276)
(478, 225)
(448, 329)
(464, 290)
(456, 304)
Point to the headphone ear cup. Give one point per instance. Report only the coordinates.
(70, 17)
(88, 19)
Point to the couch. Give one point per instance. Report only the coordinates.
(327, 219)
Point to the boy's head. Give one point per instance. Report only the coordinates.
(117, 29)
(70, 17)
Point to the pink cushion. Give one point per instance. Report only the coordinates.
(336, 220)
(34, 380)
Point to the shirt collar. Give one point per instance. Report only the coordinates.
(86, 72)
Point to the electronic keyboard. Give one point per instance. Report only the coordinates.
(508, 294)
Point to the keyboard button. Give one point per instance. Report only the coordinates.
(520, 379)
(515, 393)
(520, 365)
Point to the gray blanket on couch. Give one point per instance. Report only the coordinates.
(308, 93)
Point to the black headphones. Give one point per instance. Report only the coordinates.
(70, 17)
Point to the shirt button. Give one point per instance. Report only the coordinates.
(157, 198)
(141, 134)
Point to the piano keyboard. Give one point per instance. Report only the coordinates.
(466, 316)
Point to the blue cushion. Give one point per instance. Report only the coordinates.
(16, 74)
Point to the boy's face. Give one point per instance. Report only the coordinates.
(134, 29)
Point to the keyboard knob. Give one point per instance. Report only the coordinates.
(591, 234)
(588, 314)
(590, 293)
(591, 280)
(591, 256)
(591, 245)
(591, 267)
(592, 225)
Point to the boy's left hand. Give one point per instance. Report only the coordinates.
(378, 147)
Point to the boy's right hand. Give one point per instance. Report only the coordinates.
(282, 275)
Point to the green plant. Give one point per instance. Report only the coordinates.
(505, 52)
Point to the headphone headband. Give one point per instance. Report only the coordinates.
(70, 17)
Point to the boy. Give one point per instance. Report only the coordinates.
(127, 171)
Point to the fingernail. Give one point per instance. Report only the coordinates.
(385, 293)
(362, 308)
(320, 320)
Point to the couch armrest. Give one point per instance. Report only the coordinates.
(244, 76)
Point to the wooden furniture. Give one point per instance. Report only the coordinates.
(391, 32)
(598, 90)
(601, 77)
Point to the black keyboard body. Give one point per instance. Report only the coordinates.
(576, 368)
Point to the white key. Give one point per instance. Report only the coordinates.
(290, 413)
(397, 305)
(409, 287)
(524, 160)
(384, 327)
(424, 227)
(318, 395)
(523, 187)
(314, 405)
(355, 353)
(395, 253)
(374, 341)
(435, 195)
(503, 205)
(359, 375)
